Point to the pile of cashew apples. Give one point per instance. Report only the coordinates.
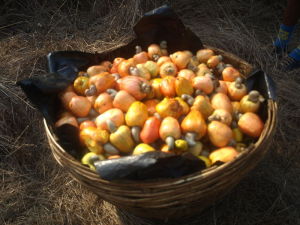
(156, 101)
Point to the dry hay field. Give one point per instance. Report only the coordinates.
(35, 190)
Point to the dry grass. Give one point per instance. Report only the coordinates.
(35, 190)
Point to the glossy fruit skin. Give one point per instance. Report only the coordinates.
(137, 114)
(251, 124)
(166, 113)
(80, 106)
(187, 74)
(222, 88)
(222, 115)
(203, 83)
(221, 101)
(123, 100)
(143, 72)
(65, 97)
(93, 138)
(142, 148)
(225, 154)
(194, 123)
(184, 105)
(141, 57)
(180, 59)
(95, 70)
(204, 54)
(81, 83)
(95, 134)
(183, 86)
(206, 160)
(181, 146)
(107, 64)
(169, 128)
(248, 106)
(167, 86)
(114, 114)
(135, 86)
(230, 74)
(169, 107)
(123, 67)
(151, 106)
(103, 102)
(86, 159)
(202, 70)
(102, 81)
(116, 62)
(86, 124)
(155, 84)
(168, 69)
(153, 50)
(213, 61)
(152, 67)
(236, 93)
(122, 139)
(150, 131)
(219, 133)
(162, 60)
(203, 105)
(165, 148)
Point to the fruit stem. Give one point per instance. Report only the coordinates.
(93, 159)
(145, 88)
(190, 138)
(111, 126)
(188, 99)
(110, 149)
(170, 142)
(82, 119)
(91, 91)
(214, 117)
(116, 76)
(156, 114)
(138, 49)
(238, 83)
(134, 71)
(253, 96)
(112, 92)
(163, 44)
(155, 57)
(135, 132)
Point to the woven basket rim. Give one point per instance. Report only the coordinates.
(212, 171)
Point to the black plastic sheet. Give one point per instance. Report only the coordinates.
(154, 27)
(150, 165)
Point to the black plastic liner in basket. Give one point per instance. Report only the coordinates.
(150, 165)
(155, 26)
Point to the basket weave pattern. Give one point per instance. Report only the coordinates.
(172, 198)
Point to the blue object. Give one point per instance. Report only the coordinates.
(295, 54)
(284, 36)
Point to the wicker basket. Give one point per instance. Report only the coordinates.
(174, 198)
